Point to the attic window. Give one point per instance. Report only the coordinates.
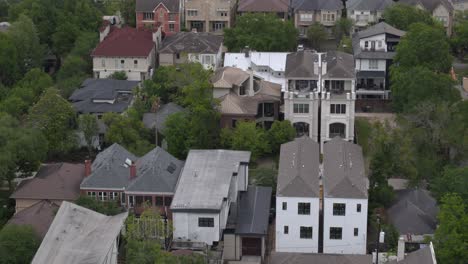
(171, 168)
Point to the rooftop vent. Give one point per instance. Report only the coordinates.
(128, 161)
(171, 168)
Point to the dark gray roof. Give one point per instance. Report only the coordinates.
(307, 258)
(343, 170)
(158, 120)
(339, 65)
(192, 42)
(109, 170)
(430, 5)
(263, 6)
(254, 210)
(380, 28)
(157, 172)
(424, 255)
(371, 5)
(150, 5)
(299, 169)
(311, 5)
(414, 212)
(301, 64)
(83, 99)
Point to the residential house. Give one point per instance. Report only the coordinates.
(307, 258)
(126, 49)
(366, 12)
(156, 121)
(210, 183)
(183, 47)
(245, 97)
(374, 49)
(279, 8)
(345, 198)
(209, 16)
(101, 96)
(118, 175)
(164, 13)
(269, 66)
(325, 79)
(307, 12)
(441, 10)
(79, 235)
(460, 5)
(248, 236)
(55, 183)
(39, 216)
(298, 197)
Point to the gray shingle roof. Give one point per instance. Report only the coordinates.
(192, 42)
(254, 210)
(306, 258)
(380, 28)
(103, 89)
(371, 5)
(299, 169)
(301, 65)
(414, 212)
(158, 120)
(263, 6)
(206, 178)
(310, 5)
(157, 172)
(343, 168)
(150, 5)
(430, 5)
(339, 65)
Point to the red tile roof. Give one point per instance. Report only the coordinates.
(125, 42)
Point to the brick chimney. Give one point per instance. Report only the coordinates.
(87, 167)
(133, 171)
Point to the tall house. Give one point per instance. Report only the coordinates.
(209, 16)
(374, 49)
(308, 12)
(366, 12)
(297, 199)
(279, 8)
(155, 13)
(441, 10)
(344, 198)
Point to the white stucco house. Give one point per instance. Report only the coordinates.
(320, 79)
(345, 198)
(366, 12)
(210, 183)
(126, 49)
(298, 197)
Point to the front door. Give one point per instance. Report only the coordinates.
(251, 246)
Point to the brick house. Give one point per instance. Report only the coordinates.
(167, 13)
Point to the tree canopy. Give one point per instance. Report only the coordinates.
(18, 244)
(316, 34)
(87, 124)
(261, 33)
(402, 16)
(279, 133)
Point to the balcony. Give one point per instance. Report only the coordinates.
(302, 86)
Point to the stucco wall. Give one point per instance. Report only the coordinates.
(186, 227)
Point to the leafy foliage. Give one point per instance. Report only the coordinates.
(9, 69)
(262, 33)
(402, 16)
(453, 180)
(87, 124)
(316, 34)
(119, 75)
(264, 177)
(107, 208)
(346, 45)
(342, 28)
(459, 40)
(279, 133)
(18, 244)
(247, 136)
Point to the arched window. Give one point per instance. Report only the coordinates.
(337, 130)
(302, 129)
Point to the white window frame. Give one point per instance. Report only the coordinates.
(301, 108)
(373, 64)
(306, 17)
(147, 16)
(102, 196)
(91, 194)
(192, 12)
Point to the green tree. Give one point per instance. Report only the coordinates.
(247, 136)
(457, 130)
(18, 244)
(71, 75)
(453, 180)
(107, 208)
(402, 16)
(342, 28)
(316, 34)
(279, 133)
(65, 35)
(127, 8)
(176, 134)
(30, 52)
(9, 70)
(54, 117)
(346, 45)
(451, 236)
(119, 75)
(88, 125)
(424, 46)
(262, 33)
(264, 177)
(459, 40)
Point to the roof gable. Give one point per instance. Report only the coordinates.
(125, 42)
(339, 65)
(172, 6)
(301, 65)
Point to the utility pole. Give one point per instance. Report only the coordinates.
(378, 241)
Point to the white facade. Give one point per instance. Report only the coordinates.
(290, 240)
(353, 226)
(329, 117)
(309, 117)
(362, 18)
(136, 68)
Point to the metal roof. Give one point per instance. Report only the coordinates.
(308, 258)
(79, 235)
(344, 172)
(206, 178)
(254, 211)
(299, 169)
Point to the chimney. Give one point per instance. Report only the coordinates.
(401, 249)
(251, 83)
(104, 30)
(324, 67)
(87, 167)
(133, 171)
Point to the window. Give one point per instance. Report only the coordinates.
(286, 230)
(171, 27)
(301, 108)
(285, 206)
(135, 64)
(113, 195)
(222, 13)
(303, 208)
(131, 201)
(339, 209)
(337, 130)
(366, 44)
(358, 208)
(122, 63)
(102, 196)
(218, 26)
(177, 55)
(192, 12)
(373, 64)
(328, 17)
(103, 63)
(206, 222)
(122, 198)
(206, 59)
(233, 123)
(242, 90)
(148, 16)
(336, 232)
(305, 17)
(306, 232)
(356, 231)
(167, 201)
(336, 87)
(92, 194)
(159, 201)
(379, 43)
(338, 109)
(172, 17)
(161, 15)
